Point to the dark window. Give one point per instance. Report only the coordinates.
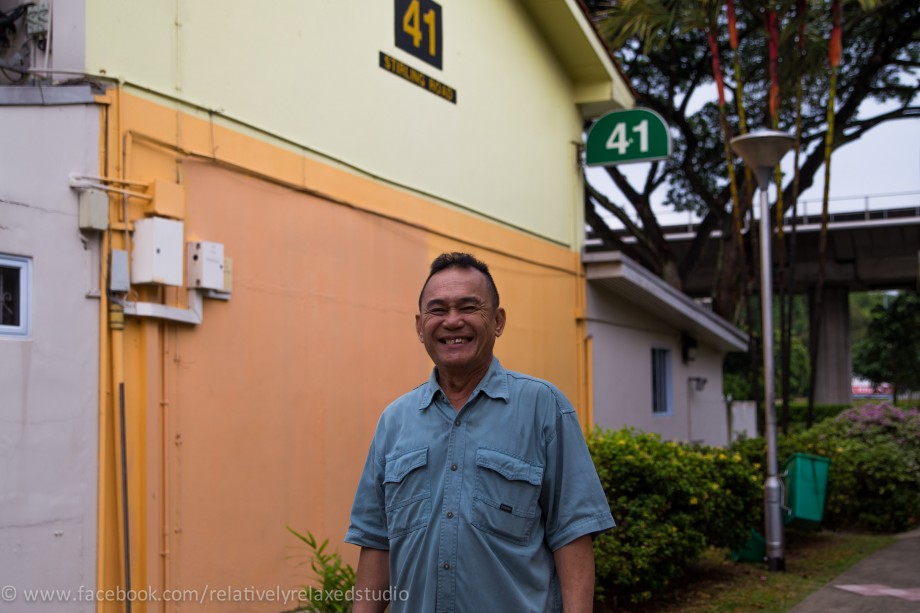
(14, 290)
(661, 381)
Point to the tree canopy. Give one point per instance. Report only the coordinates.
(666, 49)
(890, 350)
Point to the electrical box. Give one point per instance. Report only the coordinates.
(118, 271)
(94, 210)
(156, 255)
(205, 265)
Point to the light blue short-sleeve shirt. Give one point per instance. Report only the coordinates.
(471, 504)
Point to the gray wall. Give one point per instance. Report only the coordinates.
(833, 379)
(68, 48)
(623, 337)
(49, 381)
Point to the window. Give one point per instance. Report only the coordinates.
(661, 381)
(14, 295)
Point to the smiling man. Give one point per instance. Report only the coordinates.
(478, 493)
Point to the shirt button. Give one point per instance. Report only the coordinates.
(457, 422)
(450, 515)
(453, 467)
(446, 565)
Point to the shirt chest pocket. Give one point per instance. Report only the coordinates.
(407, 492)
(505, 502)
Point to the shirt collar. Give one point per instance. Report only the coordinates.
(494, 385)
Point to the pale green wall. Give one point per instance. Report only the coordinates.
(308, 70)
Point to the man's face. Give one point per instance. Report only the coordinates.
(458, 323)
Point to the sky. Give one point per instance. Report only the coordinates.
(885, 161)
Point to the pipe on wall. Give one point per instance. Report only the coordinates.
(116, 331)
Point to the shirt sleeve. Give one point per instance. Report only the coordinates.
(368, 524)
(573, 499)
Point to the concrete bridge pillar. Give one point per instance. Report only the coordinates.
(834, 364)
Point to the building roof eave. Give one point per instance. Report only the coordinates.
(598, 83)
(46, 95)
(618, 274)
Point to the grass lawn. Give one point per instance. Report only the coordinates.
(717, 584)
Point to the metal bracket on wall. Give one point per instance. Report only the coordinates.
(192, 315)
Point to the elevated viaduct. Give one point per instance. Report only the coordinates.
(866, 250)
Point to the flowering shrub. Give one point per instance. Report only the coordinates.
(885, 421)
(670, 501)
(874, 477)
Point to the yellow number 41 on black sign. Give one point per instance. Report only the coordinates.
(418, 30)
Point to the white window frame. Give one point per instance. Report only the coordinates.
(24, 266)
(661, 382)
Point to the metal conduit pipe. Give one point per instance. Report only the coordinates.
(116, 329)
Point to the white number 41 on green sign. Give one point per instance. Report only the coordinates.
(634, 135)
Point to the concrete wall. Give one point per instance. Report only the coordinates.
(48, 382)
(68, 48)
(310, 71)
(622, 340)
(744, 419)
(833, 381)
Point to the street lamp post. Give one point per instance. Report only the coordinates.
(761, 151)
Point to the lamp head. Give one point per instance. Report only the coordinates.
(761, 151)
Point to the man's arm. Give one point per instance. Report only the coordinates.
(575, 565)
(373, 578)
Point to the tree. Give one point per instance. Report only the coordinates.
(737, 368)
(890, 351)
(665, 48)
(861, 306)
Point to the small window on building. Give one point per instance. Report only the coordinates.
(14, 295)
(661, 381)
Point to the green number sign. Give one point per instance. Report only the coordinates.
(634, 135)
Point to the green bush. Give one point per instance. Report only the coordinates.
(874, 477)
(798, 412)
(671, 502)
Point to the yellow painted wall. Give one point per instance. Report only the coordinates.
(260, 417)
(278, 390)
(308, 70)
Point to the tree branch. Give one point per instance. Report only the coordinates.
(640, 202)
(887, 44)
(650, 180)
(691, 87)
(611, 240)
(905, 112)
(601, 229)
(692, 257)
(621, 216)
(906, 63)
(904, 89)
